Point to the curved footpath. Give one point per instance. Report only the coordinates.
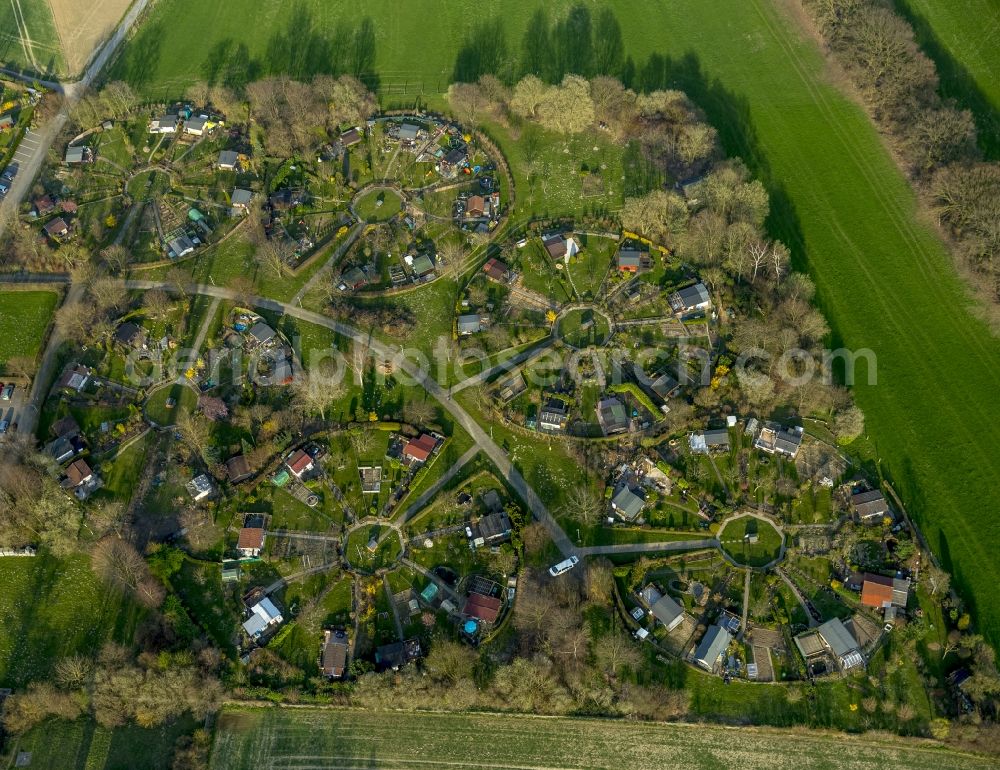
(482, 440)
(481, 437)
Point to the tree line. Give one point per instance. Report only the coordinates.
(933, 137)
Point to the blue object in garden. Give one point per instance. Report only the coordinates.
(471, 627)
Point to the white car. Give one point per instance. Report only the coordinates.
(564, 566)
(7, 392)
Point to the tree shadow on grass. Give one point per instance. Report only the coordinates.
(956, 82)
(141, 59)
(304, 49)
(483, 53)
(229, 64)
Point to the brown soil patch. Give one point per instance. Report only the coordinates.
(82, 26)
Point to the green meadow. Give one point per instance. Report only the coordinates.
(24, 319)
(885, 281)
(262, 739)
(44, 54)
(53, 608)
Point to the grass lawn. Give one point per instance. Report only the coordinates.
(289, 512)
(121, 474)
(624, 535)
(584, 327)
(42, 53)
(184, 398)
(24, 318)
(543, 460)
(362, 557)
(755, 554)
(451, 551)
(378, 205)
(433, 310)
(262, 739)
(589, 267)
(336, 604)
(199, 586)
(565, 174)
(457, 445)
(53, 608)
(539, 273)
(57, 745)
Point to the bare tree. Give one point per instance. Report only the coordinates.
(115, 257)
(937, 579)
(757, 254)
(583, 504)
(361, 441)
(74, 320)
(529, 93)
(848, 424)
(73, 672)
(351, 102)
(272, 256)
(468, 102)
(449, 661)
(118, 562)
(107, 294)
(313, 392)
(156, 303)
(243, 289)
(195, 433)
(567, 108)
(419, 412)
(615, 650)
(22, 366)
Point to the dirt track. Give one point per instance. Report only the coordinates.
(82, 25)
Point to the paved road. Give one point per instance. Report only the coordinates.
(672, 545)
(505, 366)
(42, 138)
(203, 331)
(299, 575)
(58, 278)
(746, 606)
(480, 437)
(798, 595)
(434, 579)
(418, 505)
(337, 254)
(52, 85)
(28, 168)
